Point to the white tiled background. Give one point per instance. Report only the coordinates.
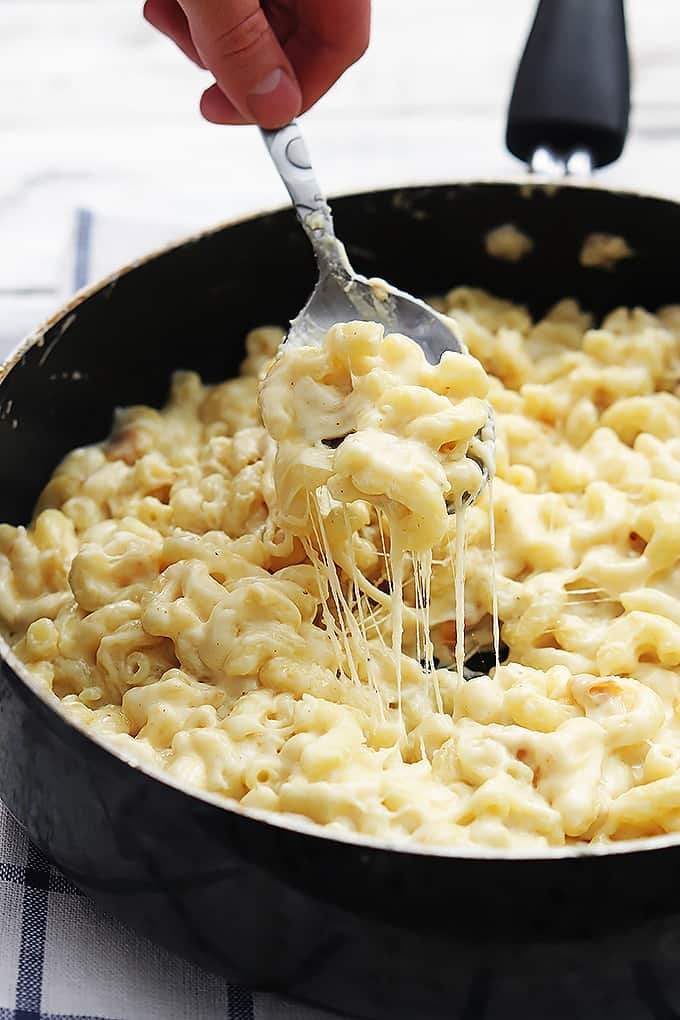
(97, 110)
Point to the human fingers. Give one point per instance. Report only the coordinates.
(329, 38)
(236, 42)
(216, 108)
(169, 18)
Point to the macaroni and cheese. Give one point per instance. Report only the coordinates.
(285, 602)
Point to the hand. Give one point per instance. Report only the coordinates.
(272, 59)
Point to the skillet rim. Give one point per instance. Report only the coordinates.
(28, 689)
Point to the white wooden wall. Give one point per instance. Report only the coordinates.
(98, 111)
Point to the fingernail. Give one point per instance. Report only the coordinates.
(269, 83)
(275, 100)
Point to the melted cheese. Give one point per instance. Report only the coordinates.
(365, 418)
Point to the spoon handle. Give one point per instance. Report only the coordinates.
(289, 154)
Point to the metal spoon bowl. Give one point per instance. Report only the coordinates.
(341, 295)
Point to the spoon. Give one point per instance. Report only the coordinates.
(341, 295)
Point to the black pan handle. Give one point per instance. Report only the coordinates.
(572, 89)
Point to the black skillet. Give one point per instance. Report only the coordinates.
(360, 927)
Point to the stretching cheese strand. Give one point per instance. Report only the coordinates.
(373, 422)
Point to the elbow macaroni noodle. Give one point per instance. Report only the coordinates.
(266, 602)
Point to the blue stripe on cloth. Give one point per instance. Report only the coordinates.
(33, 930)
(55, 882)
(240, 1002)
(24, 1014)
(60, 884)
(12, 873)
(81, 269)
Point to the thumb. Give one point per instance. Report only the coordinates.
(236, 43)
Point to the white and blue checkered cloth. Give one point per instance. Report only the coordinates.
(61, 957)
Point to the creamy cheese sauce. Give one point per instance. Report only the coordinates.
(279, 615)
